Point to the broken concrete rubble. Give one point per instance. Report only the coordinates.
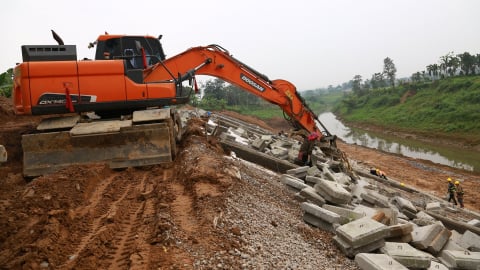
(332, 200)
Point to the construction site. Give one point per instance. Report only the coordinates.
(233, 199)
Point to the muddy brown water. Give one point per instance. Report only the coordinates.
(442, 154)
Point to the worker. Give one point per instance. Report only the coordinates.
(378, 173)
(451, 191)
(459, 190)
(306, 149)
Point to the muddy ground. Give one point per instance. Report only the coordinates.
(156, 217)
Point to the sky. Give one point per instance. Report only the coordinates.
(311, 43)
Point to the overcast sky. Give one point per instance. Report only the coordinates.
(311, 43)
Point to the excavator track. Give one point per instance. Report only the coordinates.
(147, 139)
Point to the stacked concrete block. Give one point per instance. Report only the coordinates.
(300, 172)
(454, 259)
(361, 235)
(346, 215)
(333, 192)
(400, 233)
(311, 195)
(470, 241)
(407, 255)
(293, 183)
(405, 206)
(320, 217)
(370, 261)
(431, 238)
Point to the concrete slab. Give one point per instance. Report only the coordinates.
(404, 204)
(470, 241)
(259, 144)
(300, 172)
(407, 255)
(437, 266)
(99, 127)
(424, 236)
(474, 222)
(423, 219)
(439, 241)
(433, 206)
(365, 210)
(293, 182)
(333, 192)
(400, 229)
(350, 252)
(319, 223)
(346, 215)
(370, 261)
(58, 122)
(311, 195)
(321, 213)
(362, 231)
(461, 259)
(312, 180)
(451, 245)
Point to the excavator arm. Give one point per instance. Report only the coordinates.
(215, 61)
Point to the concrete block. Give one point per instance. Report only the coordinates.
(455, 236)
(320, 212)
(311, 195)
(333, 192)
(474, 222)
(407, 255)
(312, 180)
(299, 172)
(439, 241)
(365, 210)
(313, 171)
(279, 152)
(370, 261)
(342, 178)
(451, 245)
(460, 259)
(259, 144)
(437, 266)
(404, 204)
(424, 236)
(423, 219)
(433, 206)
(350, 252)
(470, 241)
(375, 198)
(319, 223)
(293, 182)
(346, 215)
(400, 239)
(362, 231)
(400, 230)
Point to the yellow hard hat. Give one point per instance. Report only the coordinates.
(449, 179)
(456, 182)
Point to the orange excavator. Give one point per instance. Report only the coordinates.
(120, 108)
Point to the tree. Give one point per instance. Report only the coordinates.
(389, 70)
(467, 63)
(6, 83)
(357, 85)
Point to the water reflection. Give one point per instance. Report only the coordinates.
(450, 156)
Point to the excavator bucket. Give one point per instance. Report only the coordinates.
(120, 144)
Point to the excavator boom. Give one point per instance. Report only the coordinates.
(215, 61)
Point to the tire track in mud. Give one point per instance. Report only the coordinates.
(116, 209)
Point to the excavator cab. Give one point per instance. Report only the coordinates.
(134, 49)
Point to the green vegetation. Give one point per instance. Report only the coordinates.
(446, 106)
(6, 83)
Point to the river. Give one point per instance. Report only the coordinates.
(446, 155)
